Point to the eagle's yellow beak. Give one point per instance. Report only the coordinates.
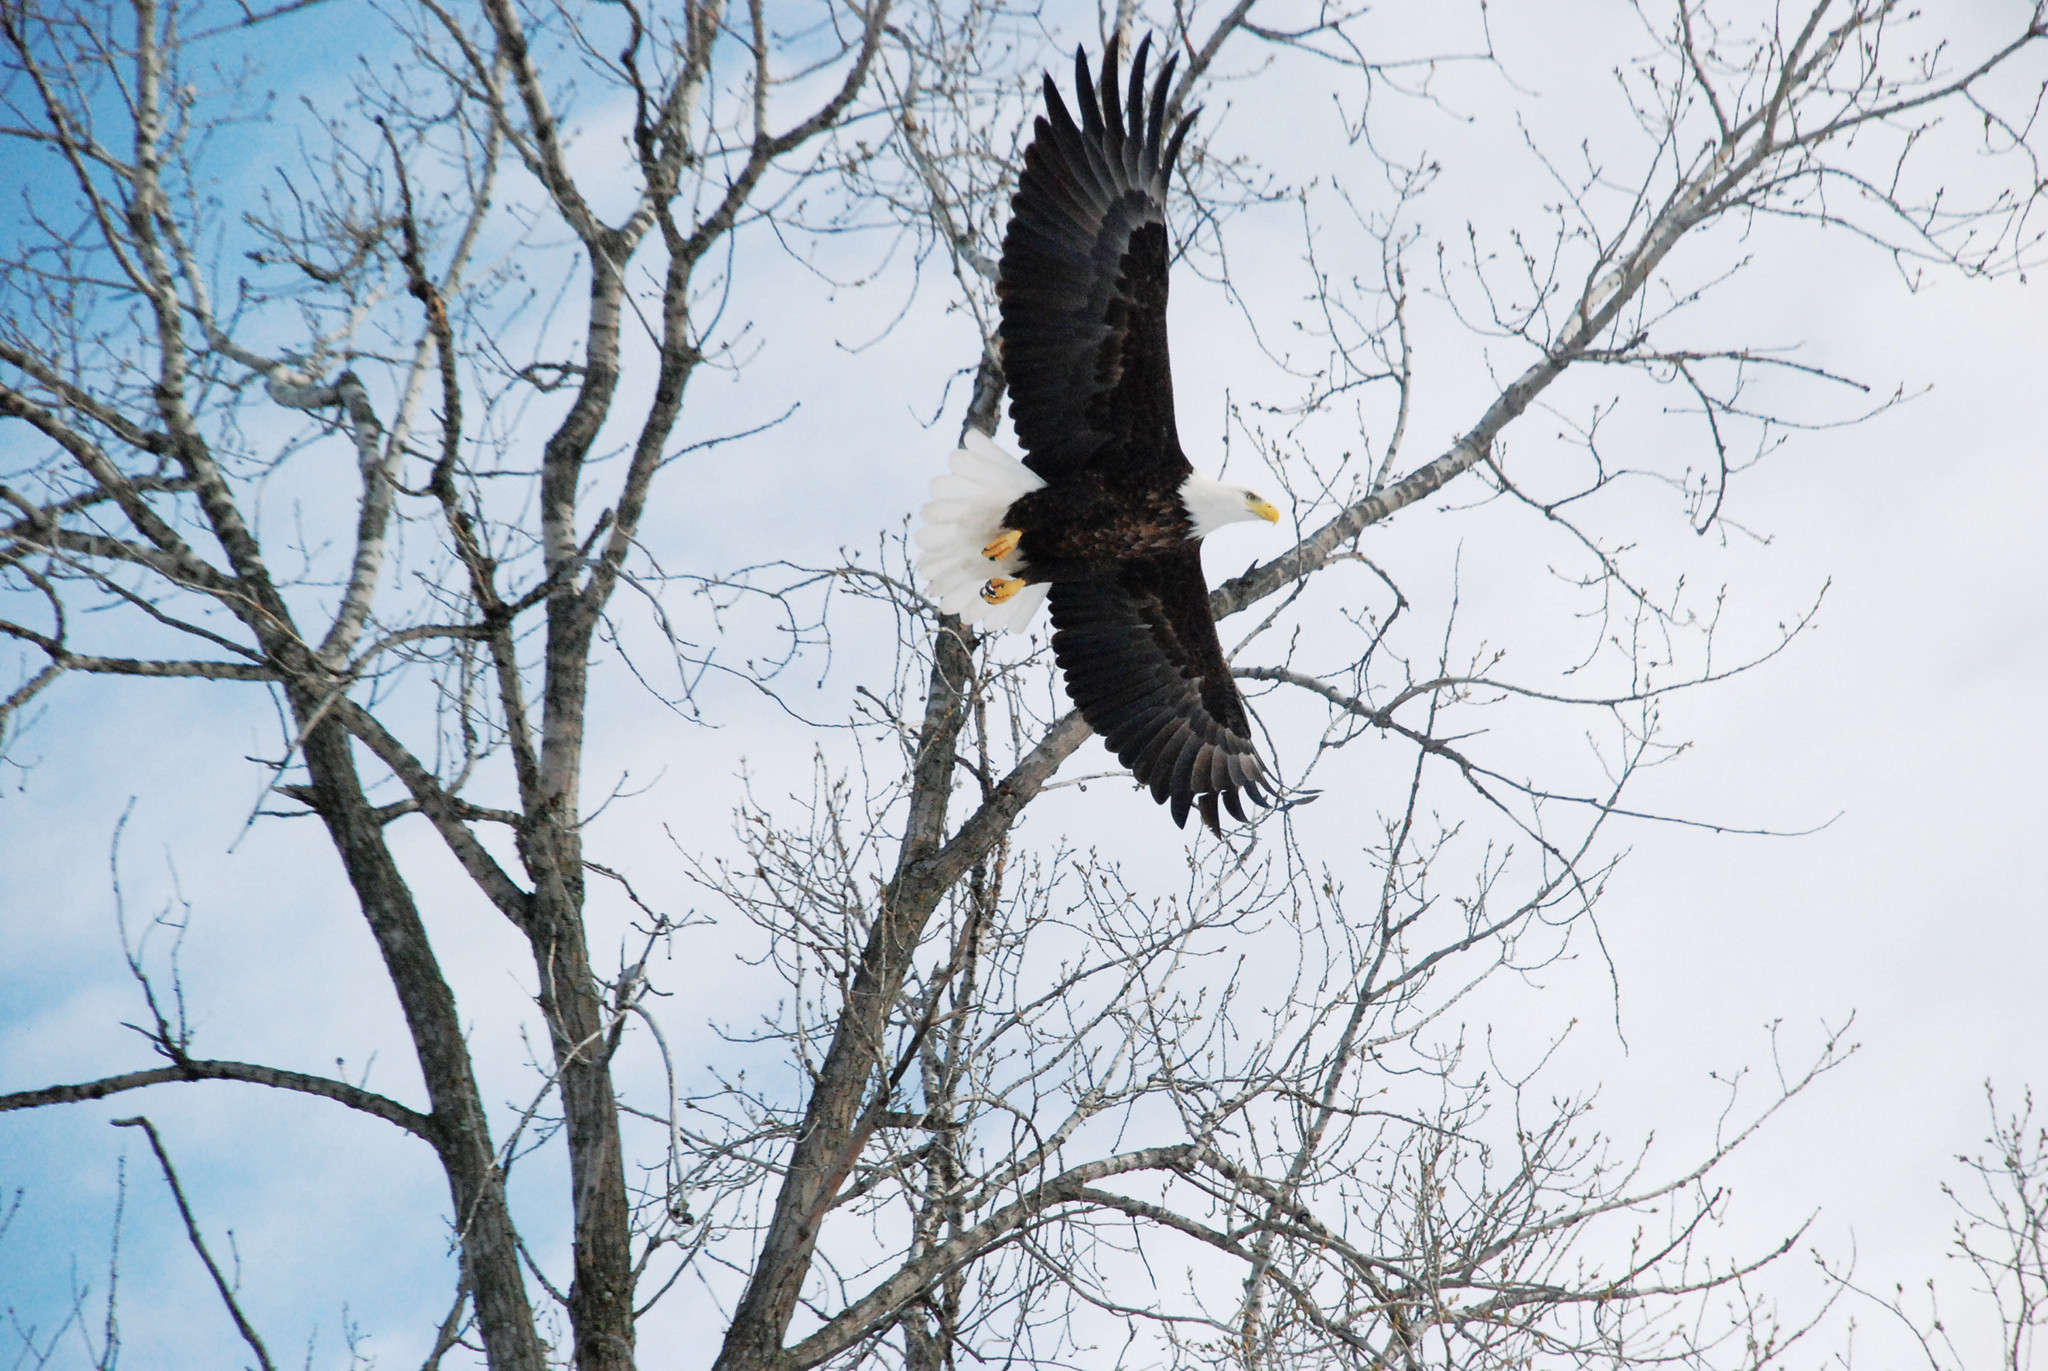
(1263, 510)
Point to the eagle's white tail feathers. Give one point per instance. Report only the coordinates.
(965, 513)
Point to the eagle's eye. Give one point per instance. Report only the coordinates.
(1258, 508)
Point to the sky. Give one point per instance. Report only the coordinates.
(1900, 738)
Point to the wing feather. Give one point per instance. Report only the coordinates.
(1083, 283)
(1144, 666)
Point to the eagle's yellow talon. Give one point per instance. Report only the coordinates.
(1001, 588)
(1003, 545)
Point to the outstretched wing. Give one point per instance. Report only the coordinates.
(1143, 665)
(1083, 285)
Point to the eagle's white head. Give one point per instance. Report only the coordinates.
(1211, 504)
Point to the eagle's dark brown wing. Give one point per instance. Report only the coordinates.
(1143, 665)
(1083, 285)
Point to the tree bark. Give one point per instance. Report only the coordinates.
(461, 1131)
(840, 1115)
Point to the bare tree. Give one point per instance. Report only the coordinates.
(1013, 1074)
(2001, 1236)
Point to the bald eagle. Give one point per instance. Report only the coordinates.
(1104, 516)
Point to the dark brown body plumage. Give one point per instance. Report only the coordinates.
(1080, 528)
(1083, 294)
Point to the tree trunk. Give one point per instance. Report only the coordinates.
(462, 1132)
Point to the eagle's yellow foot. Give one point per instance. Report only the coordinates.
(1001, 588)
(1005, 543)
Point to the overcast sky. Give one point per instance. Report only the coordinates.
(1906, 730)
